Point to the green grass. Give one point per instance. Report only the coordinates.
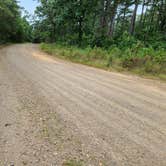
(138, 60)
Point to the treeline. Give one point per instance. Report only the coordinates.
(13, 27)
(102, 23)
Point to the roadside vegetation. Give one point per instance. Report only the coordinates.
(138, 59)
(123, 35)
(73, 163)
(14, 28)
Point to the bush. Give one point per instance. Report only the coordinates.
(98, 53)
(126, 41)
(151, 67)
(147, 60)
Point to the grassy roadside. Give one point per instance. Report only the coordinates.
(1, 46)
(142, 61)
(4, 45)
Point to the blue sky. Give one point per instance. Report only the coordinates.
(29, 5)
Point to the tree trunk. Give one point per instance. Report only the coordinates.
(153, 12)
(112, 17)
(124, 14)
(103, 18)
(146, 14)
(80, 31)
(142, 12)
(162, 16)
(133, 19)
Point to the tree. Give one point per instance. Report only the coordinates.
(13, 27)
(99, 22)
(113, 9)
(133, 19)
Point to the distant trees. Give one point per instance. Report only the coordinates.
(87, 22)
(13, 28)
(100, 22)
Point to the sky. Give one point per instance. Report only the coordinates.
(29, 5)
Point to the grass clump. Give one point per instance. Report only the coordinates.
(72, 163)
(137, 59)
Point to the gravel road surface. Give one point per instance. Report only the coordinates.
(53, 111)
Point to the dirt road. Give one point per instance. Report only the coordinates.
(53, 111)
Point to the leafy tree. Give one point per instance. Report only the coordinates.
(13, 27)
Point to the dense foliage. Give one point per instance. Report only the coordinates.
(13, 27)
(121, 34)
(137, 59)
(102, 23)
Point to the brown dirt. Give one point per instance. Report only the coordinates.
(52, 111)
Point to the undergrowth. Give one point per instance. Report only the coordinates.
(138, 59)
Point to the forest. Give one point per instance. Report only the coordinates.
(102, 23)
(13, 27)
(119, 34)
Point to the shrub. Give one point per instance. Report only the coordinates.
(135, 61)
(98, 53)
(115, 52)
(126, 41)
(147, 60)
(151, 67)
